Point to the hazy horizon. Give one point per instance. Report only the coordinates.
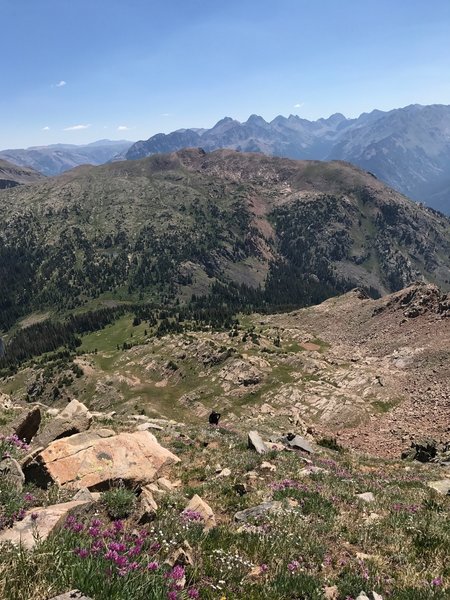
(78, 72)
(209, 126)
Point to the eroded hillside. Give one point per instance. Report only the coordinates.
(374, 373)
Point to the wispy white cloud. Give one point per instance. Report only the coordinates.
(62, 83)
(76, 127)
(123, 128)
(165, 114)
(46, 128)
(299, 105)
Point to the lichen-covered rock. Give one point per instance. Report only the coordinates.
(95, 459)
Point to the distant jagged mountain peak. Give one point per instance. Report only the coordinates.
(334, 119)
(256, 120)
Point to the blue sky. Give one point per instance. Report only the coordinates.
(74, 71)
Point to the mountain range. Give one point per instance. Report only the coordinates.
(57, 158)
(407, 148)
(242, 229)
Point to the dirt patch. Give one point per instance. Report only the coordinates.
(310, 347)
(161, 384)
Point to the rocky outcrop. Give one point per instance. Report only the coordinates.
(95, 459)
(243, 372)
(418, 299)
(428, 450)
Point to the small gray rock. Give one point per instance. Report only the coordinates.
(72, 595)
(366, 497)
(300, 443)
(10, 471)
(84, 494)
(146, 426)
(442, 486)
(257, 511)
(256, 443)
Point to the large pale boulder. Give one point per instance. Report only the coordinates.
(95, 459)
(38, 524)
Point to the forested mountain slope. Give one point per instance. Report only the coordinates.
(248, 228)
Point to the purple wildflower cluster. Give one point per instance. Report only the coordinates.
(406, 508)
(191, 516)
(8, 518)
(293, 566)
(289, 484)
(299, 564)
(123, 553)
(335, 467)
(175, 579)
(10, 444)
